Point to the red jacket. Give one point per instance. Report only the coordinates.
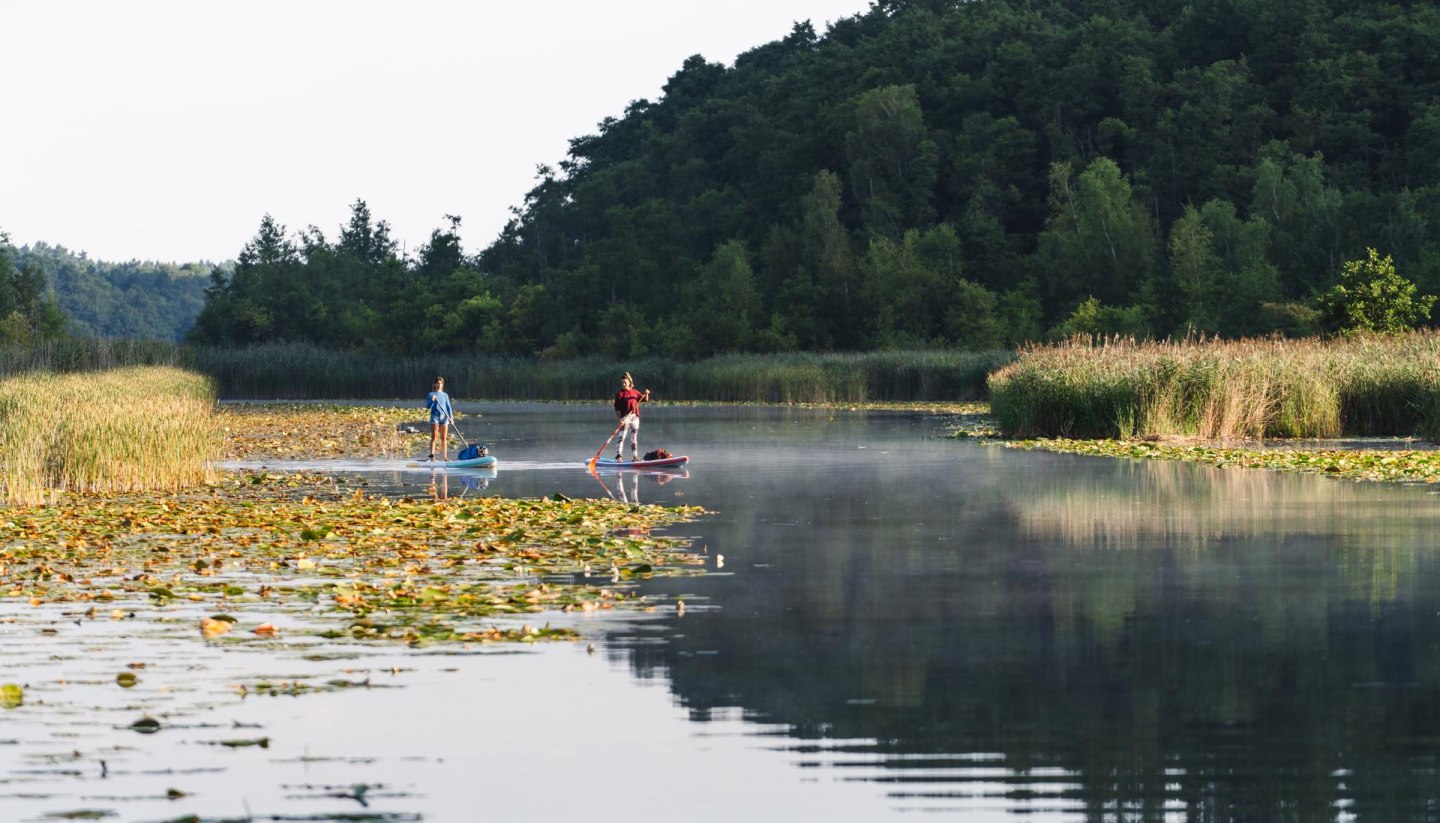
(627, 401)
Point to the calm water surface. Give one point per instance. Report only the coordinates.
(893, 625)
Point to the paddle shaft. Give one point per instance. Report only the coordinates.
(607, 442)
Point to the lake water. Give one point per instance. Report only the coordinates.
(900, 625)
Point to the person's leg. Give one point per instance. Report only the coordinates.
(626, 431)
(434, 436)
(444, 441)
(635, 438)
(620, 445)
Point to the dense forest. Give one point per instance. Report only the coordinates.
(927, 173)
(28, 313)
(136, 299)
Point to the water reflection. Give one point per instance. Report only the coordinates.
(465, 481)
(915, 624)
(624, 485)
(1073, 635)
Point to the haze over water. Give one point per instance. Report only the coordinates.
(901, 624)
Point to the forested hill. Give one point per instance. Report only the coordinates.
(134, 299)
(955, 173)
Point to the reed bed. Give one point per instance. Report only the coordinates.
(1246, 389)
(129, 429)
(301, 371)
(306, 372)
(75, 354)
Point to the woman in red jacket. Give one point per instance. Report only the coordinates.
(627, 410)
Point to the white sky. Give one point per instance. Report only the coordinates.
(164, 130)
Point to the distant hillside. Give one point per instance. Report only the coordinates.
(136, 299)
(930, 172)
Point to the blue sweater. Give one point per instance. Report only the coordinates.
(438, 402)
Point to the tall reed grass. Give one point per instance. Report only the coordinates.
(87, 354)
(303, 372)
(300, 371)
(129, 429)
(1223, 390)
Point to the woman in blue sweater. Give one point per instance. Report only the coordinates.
(441, 415)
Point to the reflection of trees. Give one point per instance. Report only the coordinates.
(1242, 643)
(1373, 531)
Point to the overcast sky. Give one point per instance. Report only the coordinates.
(164, 130)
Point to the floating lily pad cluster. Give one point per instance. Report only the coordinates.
(316, 430)
(972, 421)
(1403, 465)
(1410, 465)
(371, 567)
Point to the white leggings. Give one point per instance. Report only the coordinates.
(630, 428)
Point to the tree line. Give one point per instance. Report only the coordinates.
(965, 174)
(136, 299)
(49, 292)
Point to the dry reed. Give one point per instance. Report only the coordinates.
(1223, 390)
(130, 429)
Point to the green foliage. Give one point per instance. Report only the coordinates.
(723, 302)
(926, 173)
(1098, 237)
(1092, 318)
(1371, 297)
(134, 299)
(1291, 319)
(917, 295)
(892, 160)
(28, 313)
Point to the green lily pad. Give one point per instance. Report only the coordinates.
(146, 725)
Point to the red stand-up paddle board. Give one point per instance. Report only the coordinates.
(668, 462)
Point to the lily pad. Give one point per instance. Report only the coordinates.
(146, 725)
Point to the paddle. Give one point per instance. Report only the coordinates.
(594, 459)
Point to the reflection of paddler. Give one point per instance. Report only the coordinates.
(634, 497)
(631, 495)
(439, 488)
(440, 482)
(474, 481)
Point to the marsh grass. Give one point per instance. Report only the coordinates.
(87, 354)
(1235, 390)
(301, 371)
(305, 372)
(128, 429)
